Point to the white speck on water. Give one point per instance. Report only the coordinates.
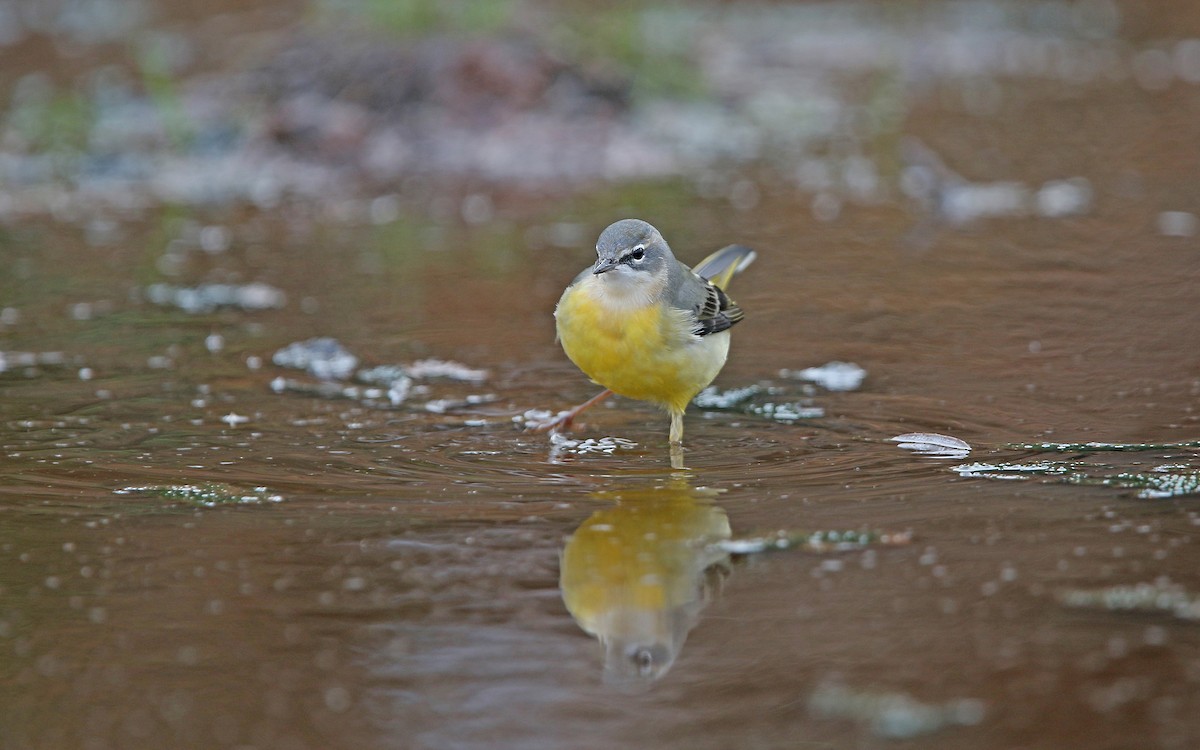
(832, 376)
(1116, 647)
(893, 715)
(477, 208)
(1152, 69)
(825, 206)
(215, 239)
(1059, 198)
(1186, 57)
(188, 655)
(324, 358)
(743, 195)
(712, 398)
(233, 420)
(214, 342)
(337, 699)
(384, 209)
(85, 373)
(1177, 224)
(253, 362)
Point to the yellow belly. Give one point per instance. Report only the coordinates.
(646, 353)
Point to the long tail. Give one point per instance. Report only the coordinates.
(724, 264)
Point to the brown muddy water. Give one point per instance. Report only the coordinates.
(201, 548)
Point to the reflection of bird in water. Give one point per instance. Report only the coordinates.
(636, 575)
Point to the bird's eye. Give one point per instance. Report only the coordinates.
(638, 253)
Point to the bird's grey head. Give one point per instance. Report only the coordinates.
(631, 247)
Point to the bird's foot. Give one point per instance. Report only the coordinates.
(564, 419)
(560, 422)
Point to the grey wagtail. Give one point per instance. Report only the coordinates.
(643, 325)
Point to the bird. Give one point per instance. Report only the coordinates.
(643, 325)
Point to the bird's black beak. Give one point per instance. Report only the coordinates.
(605, 264)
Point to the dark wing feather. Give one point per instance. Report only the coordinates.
(716, 313)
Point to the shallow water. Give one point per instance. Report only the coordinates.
(409, 577)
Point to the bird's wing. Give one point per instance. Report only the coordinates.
(707, 307)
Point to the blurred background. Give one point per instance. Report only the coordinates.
(990, 207)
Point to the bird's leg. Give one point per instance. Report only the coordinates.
(676, 428)
(677, 457)
(564, 420)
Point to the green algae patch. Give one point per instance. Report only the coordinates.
(1161, 482)
(1099, 447)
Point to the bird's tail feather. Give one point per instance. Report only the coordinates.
(724, 264)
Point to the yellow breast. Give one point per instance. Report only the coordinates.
(642, 351)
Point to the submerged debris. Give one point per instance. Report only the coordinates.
(832, 376)
(713, 398)
(1141, 597)
(324, 358)
(393, 377)
(933, 444)
(1162, 484)
(560, 444)
(206, 298)
(1168, 480)
(440, 368)
(1165, 484)
(895, 716)
(1010, 470)
(326, 389)
(328, 360)
(207, 495)
(786, 413)
(739, 399)
(443, 405)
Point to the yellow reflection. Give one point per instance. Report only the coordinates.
(637, 574)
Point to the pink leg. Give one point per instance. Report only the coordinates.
(564, 422)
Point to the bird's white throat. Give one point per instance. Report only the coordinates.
(624, 288)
